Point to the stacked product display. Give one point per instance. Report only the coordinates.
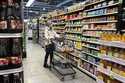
(58, 26)
(10, 16)
(96, 28)
(11, 26)
(42, 26)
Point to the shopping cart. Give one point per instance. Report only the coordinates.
(63, 67)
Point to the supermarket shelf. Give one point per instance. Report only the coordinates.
(90, 36)
(91, 48)
(97, 22)
(73, 25)
(100, 15)
(79, 9)
(108, 43)
(92, 42)
(113, 59)
(74, 11)
(74, 32)
(112, 74)
(118, 77)
(105, 71)
(99, 29)
(102, 7)
(58, 24)
(60, 32)
(89, 62)
(59, 28)
(58, 19)
(113, 44)
(10, 35)
(94, 3)
(73, 19)
(85, 10)
(75, 54)
(87, 72)
(67, 13)
(9, 71)
(74, 39)
(91, 55)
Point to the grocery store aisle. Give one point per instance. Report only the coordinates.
(35, 73)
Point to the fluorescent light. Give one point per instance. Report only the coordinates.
(29, 3)
(26, 20)
(44, 8)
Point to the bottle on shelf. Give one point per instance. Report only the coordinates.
(3, 22)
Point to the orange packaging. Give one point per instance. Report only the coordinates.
(110, 37)
(113, 37)
(104, 50)
(119, 37)
(123, 38)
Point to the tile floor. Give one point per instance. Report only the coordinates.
(35, 73)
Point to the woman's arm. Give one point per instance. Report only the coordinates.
(56, 35)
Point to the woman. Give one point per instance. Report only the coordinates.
(50, 34)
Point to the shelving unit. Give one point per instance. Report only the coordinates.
(113, 59)
(10, 71)
(9, 35)
(87, 72)
(114, 75)
(96, 29)
(11, 44)
(41, 39)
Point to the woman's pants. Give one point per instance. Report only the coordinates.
(49, 53)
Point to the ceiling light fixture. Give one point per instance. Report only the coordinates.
(29, 3)
(44, 8)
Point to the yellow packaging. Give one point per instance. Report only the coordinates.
(103, 50)
(122, 54)
(115, 69)
(119, 37)
(113, 37)
(109, 67)
(108, 81)
(116, 53)
(122, 71)
(123, 38)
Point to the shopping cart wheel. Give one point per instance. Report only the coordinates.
(62, 79)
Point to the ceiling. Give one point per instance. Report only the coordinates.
(51, 2)
(43, 6)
